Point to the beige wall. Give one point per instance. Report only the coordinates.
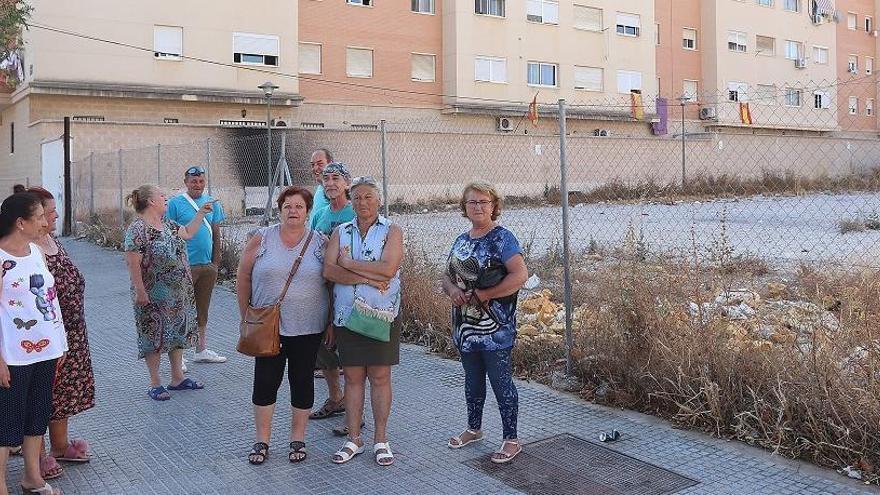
(467, 35)
(721, 66)
(207, 33)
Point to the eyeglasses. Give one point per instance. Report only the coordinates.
(195, 171)
(481, 203)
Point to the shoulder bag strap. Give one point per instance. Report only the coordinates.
(296, 265)
(194, 205)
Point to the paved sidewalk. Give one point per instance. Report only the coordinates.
(196, 443)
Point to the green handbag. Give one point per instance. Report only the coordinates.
(361, 321)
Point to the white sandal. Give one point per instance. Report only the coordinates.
(382, 457)
(506, 456)
(46, 489)
(477, 436)
(344, 455)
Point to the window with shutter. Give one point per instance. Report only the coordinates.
(690, 89)
(628, 24)
(588, 78)
(309, 58)
(423, 67)
(765, 94)
(255, 49)
(689, 38)
(589, 18)
(543, 11)
(423, 6)
(167, 42)
(490, 69)
(628, 80)
(359, 62)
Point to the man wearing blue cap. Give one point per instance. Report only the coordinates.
(203, 250)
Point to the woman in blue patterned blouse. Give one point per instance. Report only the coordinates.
(484, 274)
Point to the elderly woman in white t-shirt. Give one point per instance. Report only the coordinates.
(32, 338)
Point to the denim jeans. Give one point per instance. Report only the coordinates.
(498, 365)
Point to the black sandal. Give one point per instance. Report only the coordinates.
(342, 431)
(329, 409)
(297, 451)
(258, 454)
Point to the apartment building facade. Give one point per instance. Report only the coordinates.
(679, 47)
(856, 59)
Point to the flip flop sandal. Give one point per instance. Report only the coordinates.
(187, 384)
(297, 451)
(15, 450)
(385, 458)
(76, 451)
(347, 452)
(259, 453)
(49, 468)
(457, 443)
(505, 457)
(329, 409)
(159, 393)
(46, 489)
(342, 431)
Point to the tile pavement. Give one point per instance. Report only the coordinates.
(196, 442)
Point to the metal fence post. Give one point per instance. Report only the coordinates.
(208, 165)
(683, 153)
(384, 166)
(159, 165)
(565, 247)
(121, 196)
(91, 185)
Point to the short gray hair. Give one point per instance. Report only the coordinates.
(366, 180)
(327, 154)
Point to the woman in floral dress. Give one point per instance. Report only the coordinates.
(74, 389)
(162, 287)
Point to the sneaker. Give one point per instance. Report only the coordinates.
(208, 356)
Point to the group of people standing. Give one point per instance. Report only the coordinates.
(345, 294)
(46, 372)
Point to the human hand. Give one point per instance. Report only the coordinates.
(344, 257)
(457, 296)
(208, 207)
(329, 337)
(380, 286)
(141, 298)
(5, 377)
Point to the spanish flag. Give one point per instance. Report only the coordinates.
(533, 111)
(745, 115)
(636, 108)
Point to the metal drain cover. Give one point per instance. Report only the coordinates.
(568, 465)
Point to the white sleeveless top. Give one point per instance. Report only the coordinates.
(31, 328)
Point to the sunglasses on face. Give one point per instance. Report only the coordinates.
(195, 171)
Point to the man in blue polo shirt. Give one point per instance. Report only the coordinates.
(203, 250)
(319, 159)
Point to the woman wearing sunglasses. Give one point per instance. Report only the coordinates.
(484, 274)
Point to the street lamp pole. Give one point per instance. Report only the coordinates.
(268, 89)
(682, 100)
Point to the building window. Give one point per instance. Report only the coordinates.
(423, 67)
(167, 42)
(765, 94)
(820, 55)
(853, 105)
(628, 24)
(657, 34)
(792, 5)
(489, 7)
(736, 41)
(423, 6)
(171, 120)
(589, 78)
(689, 39)
(490, 69)
(737, 91)
(365, 3)
(765, 45)
(765, 3)
(821, 100)
(690, 89)
(359, 62)
(869, 24)
(543, 74)
(794, 50)
(543, 11)
(852, 64)
(851, 21)
(869, 65)
(869, 107)
(793, 97)
(589, 18)
(255, 49)
(12, 137)
(628, 80)
(309, 58)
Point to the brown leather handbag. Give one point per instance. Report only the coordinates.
(260, 329)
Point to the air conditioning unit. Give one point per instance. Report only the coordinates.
(280, 123)
(800, 63)
(505, 124)
(853, 70)
(707, 113)
(601, 132)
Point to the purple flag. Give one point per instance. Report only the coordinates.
(660, 128)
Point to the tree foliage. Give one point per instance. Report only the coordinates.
(14, 17)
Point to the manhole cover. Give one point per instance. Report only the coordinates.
(565, 464)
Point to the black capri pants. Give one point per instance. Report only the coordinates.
(299, 354)
(25, 407)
